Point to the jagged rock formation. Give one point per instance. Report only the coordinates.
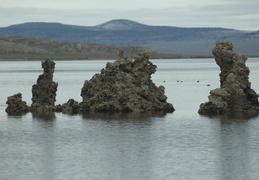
(16, 106)
(235, 96)
(44, 92)
(124, 86)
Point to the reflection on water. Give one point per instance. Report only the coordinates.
(234, 138)
(125, 117)
(47, 116)
(233, 118)
(123, 144)
(44, 126)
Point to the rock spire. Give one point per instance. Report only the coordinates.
(235, 96)
(44, 91)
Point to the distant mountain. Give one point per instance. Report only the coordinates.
(123, 25)
(38, 48)
(164, 39)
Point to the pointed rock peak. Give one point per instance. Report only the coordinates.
(121, 24)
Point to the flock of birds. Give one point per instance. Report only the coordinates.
(182, 82)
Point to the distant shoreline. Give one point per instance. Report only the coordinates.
(36, 49)
(97, 59)
(29, 48)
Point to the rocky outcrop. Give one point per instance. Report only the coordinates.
(43, 94)
(16, 106)
(235, 96)
(44, 91)
(124, 86)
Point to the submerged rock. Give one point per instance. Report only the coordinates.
(235, 96)
(16, 106)
(44, 91)
(124, 86)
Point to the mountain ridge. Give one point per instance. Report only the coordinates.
(121, 32)
(113, 21)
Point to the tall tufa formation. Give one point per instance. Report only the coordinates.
(44, 91)
(235, 96)
(124, 86)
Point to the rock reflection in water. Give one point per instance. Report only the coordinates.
(126, 117)
(119, 141)
(234, 154)
(45, 126)
(48, 116)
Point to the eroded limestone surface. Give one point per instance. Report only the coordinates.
(235, 96)
(125, 86)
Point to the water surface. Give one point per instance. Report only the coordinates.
(179, 145)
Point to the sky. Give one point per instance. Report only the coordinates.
(233, 14)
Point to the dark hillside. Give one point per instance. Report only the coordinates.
(38, 48)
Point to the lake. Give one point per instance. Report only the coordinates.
(179, 145)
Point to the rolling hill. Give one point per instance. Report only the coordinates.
(39, 48)
(163, 39)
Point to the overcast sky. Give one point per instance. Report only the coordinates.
(236, 14)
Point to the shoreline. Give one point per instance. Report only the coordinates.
(78, 59)
(97, 59)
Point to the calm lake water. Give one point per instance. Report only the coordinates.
(180, 145)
